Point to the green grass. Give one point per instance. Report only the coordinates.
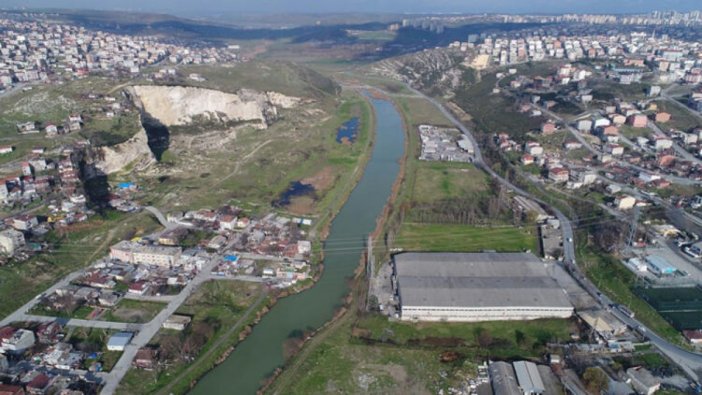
(461, 238)
(373, 35)
(680, 118)
(278, 76)
(374, 355)
(632, 133)
(448, 180)
(494, 113)
(20, 282)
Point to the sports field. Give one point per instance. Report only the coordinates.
(682, 307)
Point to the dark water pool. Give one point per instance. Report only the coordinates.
(295, 189)
(348, 130)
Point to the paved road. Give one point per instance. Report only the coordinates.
(685, 154)
(150, 329)
(690, 362)
(161, 218)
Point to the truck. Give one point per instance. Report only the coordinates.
(625, 310)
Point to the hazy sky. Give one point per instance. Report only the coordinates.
(209, 7)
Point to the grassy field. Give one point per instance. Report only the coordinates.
(632, 133)
(217, 303)
(133, 311)
(494, 113)
(376, 356)
(20, 282)
(278, 76)
(461, 238)
(447, 180)
(680, 119)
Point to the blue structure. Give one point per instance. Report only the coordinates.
(659, 266)
(126, 185)
(231, 258)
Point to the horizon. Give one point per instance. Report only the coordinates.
(218, 8)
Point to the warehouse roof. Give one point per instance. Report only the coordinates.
(476, 280)
(528, 377)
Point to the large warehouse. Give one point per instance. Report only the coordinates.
(476, 287)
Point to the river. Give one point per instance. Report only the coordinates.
(257, 357)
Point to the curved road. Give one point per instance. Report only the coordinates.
(690, 362)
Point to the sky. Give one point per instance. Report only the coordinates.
(205, 7)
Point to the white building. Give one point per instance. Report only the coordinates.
(127, 251)
(119, 341)
(11, 240)
(475, 287)
(19, 342)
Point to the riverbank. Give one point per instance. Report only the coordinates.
(358, 289)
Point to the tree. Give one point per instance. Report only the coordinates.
(484, 338)
(595, 380)
(519, 337)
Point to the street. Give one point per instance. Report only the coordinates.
(690, 362)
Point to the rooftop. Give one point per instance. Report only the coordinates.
(476, 279)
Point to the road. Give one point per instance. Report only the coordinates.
(161, 218)
(150, 329)
(690, 362)
(19, 314)
(676, 147)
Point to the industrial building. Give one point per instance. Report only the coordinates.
(518, 378)
(528, 378)
(503, 380)
(474, 287)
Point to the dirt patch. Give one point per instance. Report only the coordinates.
(322, 180)
(130, 315)
(301, 205)
(397, 372)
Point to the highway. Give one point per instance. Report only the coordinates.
(690, 362)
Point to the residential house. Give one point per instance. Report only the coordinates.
(548, 128)
(662, 117)
(10, 241)
(24, 222)
(19, 342)
(637, 120)
(643, 381)
(558, 174)
(145, 358)
(177, 322)
(625, 202)
(662, 143)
